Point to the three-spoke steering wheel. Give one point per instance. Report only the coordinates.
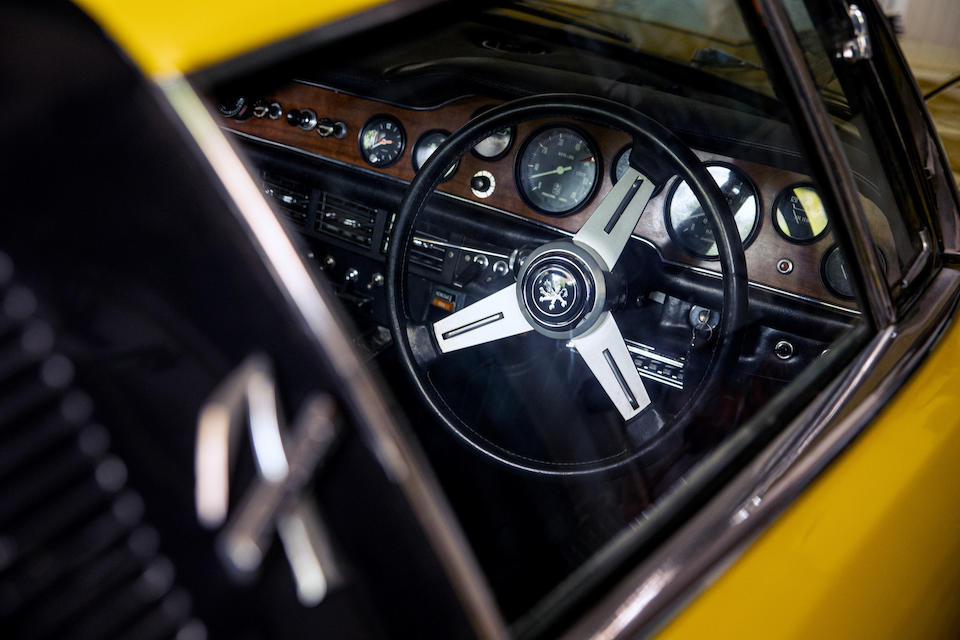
(563, 287)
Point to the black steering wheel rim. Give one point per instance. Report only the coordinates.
(660, 154)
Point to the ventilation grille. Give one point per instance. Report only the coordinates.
(291, 196)
(425, 252)
(77, 558)
(347, 220)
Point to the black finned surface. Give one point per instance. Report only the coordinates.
(155, 294)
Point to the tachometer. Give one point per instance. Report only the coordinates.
(382, 141)
(426, 145)
(687, 223)
(557, 170)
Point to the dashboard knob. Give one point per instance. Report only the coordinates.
(294, 117)
(482, 184)
(351, 275)
(500, 268)
(306, 119)
(237, 107)
(479, 182)
(783, 350)
(327, 127)
(274, 110)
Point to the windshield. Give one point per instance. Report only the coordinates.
(707, 35)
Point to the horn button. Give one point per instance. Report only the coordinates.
(561, 289)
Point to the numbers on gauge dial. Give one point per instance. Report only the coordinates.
(687, 222)
(382, 141)
(557, 170)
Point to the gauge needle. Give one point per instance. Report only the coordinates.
(559, 171)
(380, 142)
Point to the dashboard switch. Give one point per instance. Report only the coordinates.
(327, 127)
(482, 184)
(783, 350)
(376, 280)
(351, 275)
(306, 119)
(500, 268)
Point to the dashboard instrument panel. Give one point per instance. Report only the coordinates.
(777, 210)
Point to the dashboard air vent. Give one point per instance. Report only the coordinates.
(347, 220)
(291, 196)
(426, 253)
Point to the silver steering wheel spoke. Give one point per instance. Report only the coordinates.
(492, 318)
(608, 229)
(605, 353)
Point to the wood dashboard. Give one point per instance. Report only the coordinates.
(767, 249)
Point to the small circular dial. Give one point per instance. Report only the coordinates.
(426, 145)
(799, 215)
(833, 271)
(496, 145)
(557, 170)
(382, 141)
(687, 223)
(621, 162)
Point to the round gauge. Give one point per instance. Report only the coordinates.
(382, 141)
(687, 223)
(496, 145)
(799, 215)
(426, 145)
(621, 162)
(557, 170)
(833, 271)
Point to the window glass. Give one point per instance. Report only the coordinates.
(564, 384)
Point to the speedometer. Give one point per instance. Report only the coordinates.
(557, 170)
(687, 223)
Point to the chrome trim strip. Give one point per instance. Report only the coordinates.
(661, 379)
(400, 460)
(648, 352)
(645, 600)
(515, 216)
(462, 247)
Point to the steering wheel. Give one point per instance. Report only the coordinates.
(564, 287)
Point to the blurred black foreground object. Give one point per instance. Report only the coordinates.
(129, 292)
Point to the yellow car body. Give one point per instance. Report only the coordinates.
(871, 549)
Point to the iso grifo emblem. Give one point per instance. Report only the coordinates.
(553, 290)
(556, 290)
